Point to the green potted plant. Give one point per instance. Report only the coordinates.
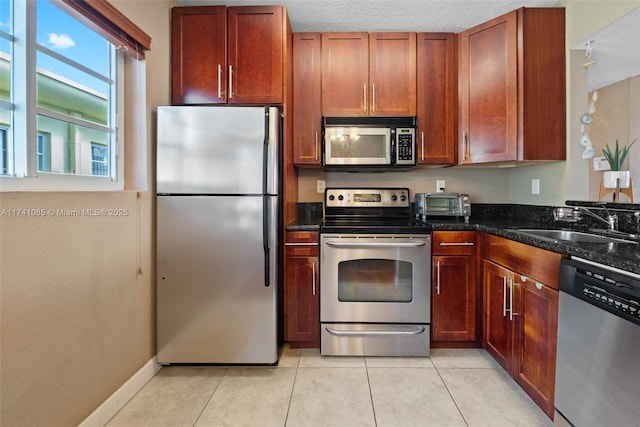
(616, 176)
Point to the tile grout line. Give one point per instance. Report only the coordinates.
(293, 386)
(226, 370)
(450, 395)
(373, 406)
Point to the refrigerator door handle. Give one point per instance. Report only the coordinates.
(265, 239)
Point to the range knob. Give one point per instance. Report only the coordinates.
(341, 197)
(394, 198)
(332, 197)
(403, 197)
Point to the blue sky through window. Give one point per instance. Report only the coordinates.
(68, 37)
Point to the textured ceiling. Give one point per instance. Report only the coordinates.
(386, 15)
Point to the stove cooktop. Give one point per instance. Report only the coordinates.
(370, 211)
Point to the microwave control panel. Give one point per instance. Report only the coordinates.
(405, 146)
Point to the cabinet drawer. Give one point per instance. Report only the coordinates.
(301, 249)
(539, 264)
(453, 243)
(302, 243)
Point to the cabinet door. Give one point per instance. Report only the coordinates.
(489, 91)
(302, 300)
(437, 96)
(497, 327)
(198, 55)
(307, 114)
(392, 74)
(536, 337)
(256, 46)
(345, 74)
(453, 311)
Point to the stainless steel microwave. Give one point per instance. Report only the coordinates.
(354, 143)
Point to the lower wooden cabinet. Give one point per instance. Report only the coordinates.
(302, 289)
(454, 289)
(520, 314)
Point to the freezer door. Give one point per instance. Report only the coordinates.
(213, 302)
(217, 150)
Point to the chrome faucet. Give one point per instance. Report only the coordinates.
(611, 219)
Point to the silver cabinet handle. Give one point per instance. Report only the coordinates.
(422, 139)
(376, 244)
(365, 97)
(504, 296)
(301, 244)
(313, 280)
(438, 278)
(230, 81)
(415, 331)
(373, 97)
(457, 244)
(316, 145)
(510, 309)
(219, 81)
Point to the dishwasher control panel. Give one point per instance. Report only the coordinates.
(613, 291)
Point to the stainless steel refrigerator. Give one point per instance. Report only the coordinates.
(217, 234)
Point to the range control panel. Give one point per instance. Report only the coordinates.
(367, 197)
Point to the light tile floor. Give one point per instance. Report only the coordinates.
(464, 387)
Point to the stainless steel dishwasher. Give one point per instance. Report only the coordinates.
(598, 356)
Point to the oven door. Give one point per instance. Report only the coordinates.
(375, 279)
(365, 146)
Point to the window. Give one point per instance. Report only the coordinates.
(99, 160)
(4, 146)
(60, 68)
(44, 152)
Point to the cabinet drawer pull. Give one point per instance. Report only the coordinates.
(364, 107)
(504, 296)
(313, 278)
(230, 81)
(316, 145)
(457, 244)
(219, 81)
(422, 139)
(301, 244)
(373, 97)
(438, 278)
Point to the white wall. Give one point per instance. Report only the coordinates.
(77, 293)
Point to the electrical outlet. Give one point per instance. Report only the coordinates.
(440, 186)
(535, 186)
(320, 184)
(600, 164)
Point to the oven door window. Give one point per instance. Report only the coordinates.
(375, 280)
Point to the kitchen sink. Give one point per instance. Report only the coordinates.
(573, 236)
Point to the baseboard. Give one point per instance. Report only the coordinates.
(121, 396)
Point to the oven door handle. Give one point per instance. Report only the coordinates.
(372, 244)
(416, 331)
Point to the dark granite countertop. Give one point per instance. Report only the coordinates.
(622, 256)
(505, 220)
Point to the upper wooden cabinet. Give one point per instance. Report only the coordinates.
(307, 113)
(368, 74)
(228, 55)
(512, 88)
(437, 96)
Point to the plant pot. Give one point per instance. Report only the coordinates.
(616, 179)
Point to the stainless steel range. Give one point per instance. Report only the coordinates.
(375, 275)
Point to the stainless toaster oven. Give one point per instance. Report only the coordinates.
(442, 204)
